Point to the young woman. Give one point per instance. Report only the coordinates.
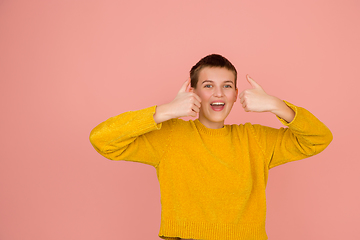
(212, 176)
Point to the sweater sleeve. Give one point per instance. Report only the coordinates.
(303, 137)
(131, 136)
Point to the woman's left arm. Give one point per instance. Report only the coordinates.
(304, 136)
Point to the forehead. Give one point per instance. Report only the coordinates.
(216, 74)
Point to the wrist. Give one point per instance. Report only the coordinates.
(162, 113)
(282, 110)
(276, 105)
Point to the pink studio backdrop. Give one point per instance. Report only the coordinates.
(66, 66)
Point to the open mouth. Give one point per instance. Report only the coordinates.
(217, 106)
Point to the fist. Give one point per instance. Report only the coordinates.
(255, 99)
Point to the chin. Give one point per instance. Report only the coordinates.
(215, 117)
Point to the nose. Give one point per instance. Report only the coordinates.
(218, 92)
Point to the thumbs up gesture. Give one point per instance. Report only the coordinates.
(185, 104)
(255, 99)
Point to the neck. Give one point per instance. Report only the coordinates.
(209, 124)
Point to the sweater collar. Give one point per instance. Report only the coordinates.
(214, 132)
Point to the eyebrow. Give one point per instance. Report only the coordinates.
(228, 81)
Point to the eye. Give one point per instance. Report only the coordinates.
(227, 86)
(207, 86)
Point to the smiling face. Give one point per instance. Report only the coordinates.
(217, 90)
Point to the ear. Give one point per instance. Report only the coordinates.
(237, 93)
(191, 89)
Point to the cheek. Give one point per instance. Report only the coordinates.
(204, 95)
(232, 96)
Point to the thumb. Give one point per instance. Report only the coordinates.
(252, 82)
(185, 86)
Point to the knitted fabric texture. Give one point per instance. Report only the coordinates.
(212, 181)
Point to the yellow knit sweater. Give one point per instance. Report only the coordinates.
(212, 181)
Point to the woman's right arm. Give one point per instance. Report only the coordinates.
(132, 135)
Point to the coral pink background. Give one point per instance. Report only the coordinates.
(66, 66)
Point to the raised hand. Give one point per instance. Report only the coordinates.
(256, 99)
(185, 104)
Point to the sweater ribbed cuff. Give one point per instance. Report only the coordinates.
(293, 107)
(145, 122)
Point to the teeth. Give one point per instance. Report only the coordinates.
(218, 104)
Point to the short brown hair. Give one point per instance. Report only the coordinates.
(212, 60)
